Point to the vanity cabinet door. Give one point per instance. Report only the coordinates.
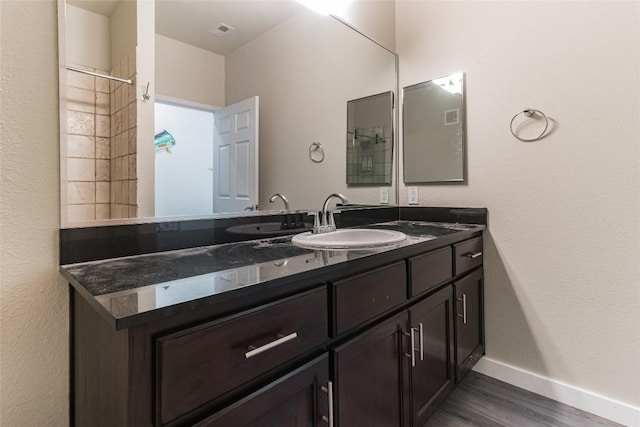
(371, 377)
(298, 399)
(432, 376)
(469, 322)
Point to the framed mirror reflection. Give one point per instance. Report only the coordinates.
(434, 131)
(124, 154)
(370, 140)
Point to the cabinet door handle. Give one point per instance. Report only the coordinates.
(473, 255)
(411, 355)
(281, 339)
(464, 308)
(329, 390)
(421, 341)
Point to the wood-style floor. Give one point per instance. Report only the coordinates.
(486, 402)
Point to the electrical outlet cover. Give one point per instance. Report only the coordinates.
(413, 195)
(384, 195)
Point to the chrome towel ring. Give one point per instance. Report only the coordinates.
(316, 152)
(529, 113)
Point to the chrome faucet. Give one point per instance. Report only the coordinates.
(284, 200)
(324, 221)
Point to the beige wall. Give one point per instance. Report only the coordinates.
(34, 335)
(562, 252)
(202, 81)
(296, 110)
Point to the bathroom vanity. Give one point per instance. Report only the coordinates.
(292, 337)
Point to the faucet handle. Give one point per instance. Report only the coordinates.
(331, 223)
(316, 221)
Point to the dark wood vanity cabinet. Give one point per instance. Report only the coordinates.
(382, 347)
(398, 372)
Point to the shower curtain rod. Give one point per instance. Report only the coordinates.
(129, 82)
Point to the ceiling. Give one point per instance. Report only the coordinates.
(195, 21)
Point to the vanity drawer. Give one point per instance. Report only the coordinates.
(200, 364)
(362, 297)
(468, 255)
(429, 270)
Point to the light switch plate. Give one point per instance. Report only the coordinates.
(413, 195)
(384, 195)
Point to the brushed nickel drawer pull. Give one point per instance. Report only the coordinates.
(254, 351)
(421, 341)
(329, 390)
(473, 255)
(464, 308)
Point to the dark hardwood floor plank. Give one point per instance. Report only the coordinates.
(481, 401)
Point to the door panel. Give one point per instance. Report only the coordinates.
(243, 165)
(224, 181)
(236, 157)
(469, 324)
(371, 377)
(432, 379)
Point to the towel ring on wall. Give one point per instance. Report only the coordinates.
(316, 152)
(529, 112)
(145, 95)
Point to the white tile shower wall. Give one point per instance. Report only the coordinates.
(122, 167)
(88, 145)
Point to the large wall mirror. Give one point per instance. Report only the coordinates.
(216, 106)
(434, 131)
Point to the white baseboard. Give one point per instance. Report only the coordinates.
(578, 398)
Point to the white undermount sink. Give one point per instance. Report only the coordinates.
(357, 238)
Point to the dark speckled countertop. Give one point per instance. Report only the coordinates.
(126, 288)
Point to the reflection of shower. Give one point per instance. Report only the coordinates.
(372, 134)
(369, 140)
(364, 141)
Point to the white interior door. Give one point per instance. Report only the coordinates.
(235, 154)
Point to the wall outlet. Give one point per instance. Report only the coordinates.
(413, 195)
(384, 195)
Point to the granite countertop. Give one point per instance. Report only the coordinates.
(128, 287)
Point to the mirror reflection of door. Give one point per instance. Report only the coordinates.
(206, 159)
(235, 142)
